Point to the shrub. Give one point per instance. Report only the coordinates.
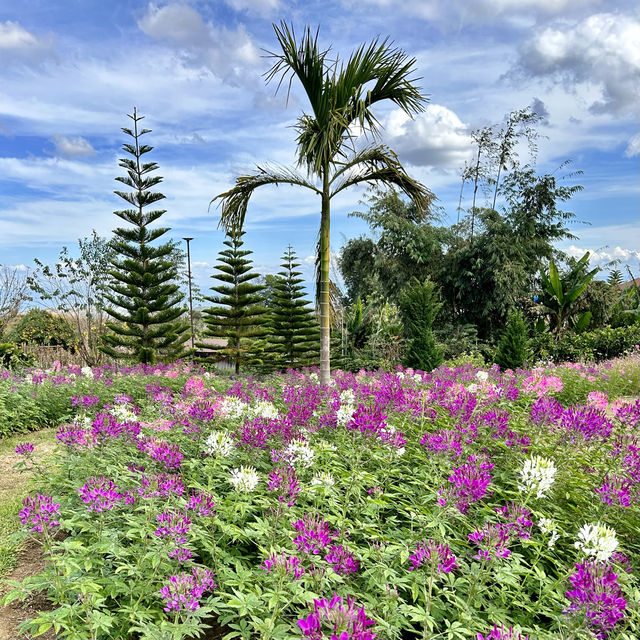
(38, 326)
(12, 357)
(513, 348)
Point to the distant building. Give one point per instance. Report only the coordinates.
(205, 350)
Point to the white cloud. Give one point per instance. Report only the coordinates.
(601, 51)
(18, 44)
(73, 147)
(262, 7)
(227, 53)
(633, 148)
(602, 256)
(436, 138)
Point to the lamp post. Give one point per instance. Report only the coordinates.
(193, 344)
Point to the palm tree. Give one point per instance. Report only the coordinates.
(341, 96)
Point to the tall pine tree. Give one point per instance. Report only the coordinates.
(145, 297)
(296, 332)
(239, 317)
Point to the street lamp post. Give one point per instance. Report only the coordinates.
(193, 344)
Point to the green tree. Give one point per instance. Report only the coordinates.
(147, 305)
(560, 294)
(238, 318)
(76, 286)
(341, 94)
(513, 348)
(40, 327)
(419, 305)
(294, 326)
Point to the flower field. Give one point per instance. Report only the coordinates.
(459, 504)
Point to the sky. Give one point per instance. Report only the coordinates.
(71, 71)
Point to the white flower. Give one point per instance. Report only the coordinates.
(547, 526)
(472, 388)
(483, 376)
(326, 446)
(400, 375)
(299, 454)
(344, 414)
(537, 475)
(206, 375)
(347, 396)
(314, 377)
(219, 443)
(265, 409)
(28, 378)
(417, 377)
(87, 372)
(232, 407)
(597, 540)
(123, 413)
(323, 479)
(244, 479)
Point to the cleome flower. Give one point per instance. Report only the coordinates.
(597, 540)
(244, 479)
(537, 476)
(547, 526)
(218, 443)
(338, 620)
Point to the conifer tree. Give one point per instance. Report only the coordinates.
(239, 316)
(513, 348)
(296, 332)
(145, 297)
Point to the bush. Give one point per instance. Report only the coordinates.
(12, 357)
(598, 345)
(513, 348)
(41, 327)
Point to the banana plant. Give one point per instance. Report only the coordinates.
(560, 295)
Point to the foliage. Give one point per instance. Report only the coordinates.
(13, 294)
(76, 287)
(341, 95)
(419, 305)
(38, 326)
(145, 298)
(513, 349)
(294, 328)
(560, 295)
(239, 316)
(12, 357)
(600, 344)
(431, 505)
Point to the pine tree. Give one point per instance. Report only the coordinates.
(419, 307)
(146, 299)
(513, 348)
(239, 316)
(296, 333)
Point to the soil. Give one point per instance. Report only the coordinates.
(30, 563)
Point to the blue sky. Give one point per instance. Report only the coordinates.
(70, 72)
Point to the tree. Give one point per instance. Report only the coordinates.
(294, 326)
(13, 293)
(147, 302)
(76, 287)
(239, 317)
(341, 96)
(40, 327)
(560, 294)
(419, 306)
(513, 348)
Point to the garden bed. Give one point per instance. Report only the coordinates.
(464, 504)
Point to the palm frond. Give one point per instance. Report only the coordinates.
(379, 165)
(234, 202)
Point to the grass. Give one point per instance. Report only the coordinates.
(14, 486)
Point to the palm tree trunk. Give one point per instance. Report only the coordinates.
(325, 327)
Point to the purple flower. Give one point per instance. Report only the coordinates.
(502, 634)
(517, 519)
(616, 490)
(85, 401)
(339, 621)
(167, 454)
(284, 479)
(75, 437)
(174, 525)
(470, 482)
(183, 592)
(597, 595)
(492, 541)
(341, 560)
(314, 534)
(434, 554)
(39, 511)
(201, 502)
(24, 448)
(161, 485)
(587, 421)
(290, 565)
(100, 493)
(444, 440)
